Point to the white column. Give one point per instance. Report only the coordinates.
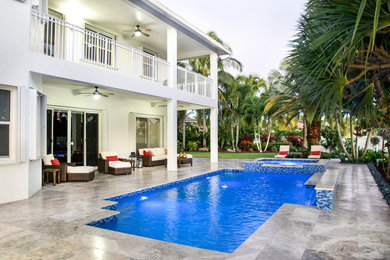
(214, 74)
(214, 110)
(172, 56)
(172, 134)
(172, 103)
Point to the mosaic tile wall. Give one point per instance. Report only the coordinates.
(324, 199)
(257, 166)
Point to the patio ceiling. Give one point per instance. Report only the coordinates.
(77, 87)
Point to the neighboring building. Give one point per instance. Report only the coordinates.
(52, 51)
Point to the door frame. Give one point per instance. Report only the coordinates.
(69, 111)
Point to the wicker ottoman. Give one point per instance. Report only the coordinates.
(80, 173)
(119, 168)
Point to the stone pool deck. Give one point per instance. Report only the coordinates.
(51, 225)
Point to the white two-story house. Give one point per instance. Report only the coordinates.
(58, 55)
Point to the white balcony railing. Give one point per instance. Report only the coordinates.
(56, 38)
(193, 82)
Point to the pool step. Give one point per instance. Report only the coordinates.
(314, 179)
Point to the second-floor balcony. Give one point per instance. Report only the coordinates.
(59, 39)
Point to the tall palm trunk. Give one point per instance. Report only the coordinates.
(259, 138)
(314, 132)
(304, 133)
(341, 140)
(269, 134)
(388, 161)
(366, 144)
(184, 134)
(352, 142)
(232, 135)
(255, 135)
(237, 131)
(204, 128)
(383, 153)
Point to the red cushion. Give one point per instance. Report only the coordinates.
(147, 153)
(112, 158)
(316, 153)
(55, 162)
(283, 152)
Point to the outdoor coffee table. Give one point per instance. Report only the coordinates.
(182, 160)
(55, 173)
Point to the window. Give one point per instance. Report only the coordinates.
(148, 132)
(149, 64)
(98, 46)
(5, 122)
(52, 34)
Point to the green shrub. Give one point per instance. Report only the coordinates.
(193, 146)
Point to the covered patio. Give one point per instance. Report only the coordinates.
(78, 125)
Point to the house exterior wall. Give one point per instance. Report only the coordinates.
(23, 71)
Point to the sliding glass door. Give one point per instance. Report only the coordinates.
(148, 132)
(77, 138)
(73, 136)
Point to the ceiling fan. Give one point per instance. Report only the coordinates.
(138, 31)
(96, 94)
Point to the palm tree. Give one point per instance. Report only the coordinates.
(234, 91)
(202, 66)
(252, 111)
(340, 65)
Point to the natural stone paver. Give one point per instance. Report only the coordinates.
(51, 224)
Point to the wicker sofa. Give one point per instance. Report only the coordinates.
(123, 166)
(158, 156)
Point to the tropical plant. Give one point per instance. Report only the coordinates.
(340, 67)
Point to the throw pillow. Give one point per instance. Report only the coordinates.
(55, 162)
(283, 152)
(316, 153)
(112, 158)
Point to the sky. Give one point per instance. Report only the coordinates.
(258, 31)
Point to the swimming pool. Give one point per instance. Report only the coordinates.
(217, 212)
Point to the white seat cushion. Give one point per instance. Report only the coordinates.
(119, 164)
(157, 151)
(105, 154)
(159, 157)
(47, 159)
(79, 169)
(280, 156)
(314, 156)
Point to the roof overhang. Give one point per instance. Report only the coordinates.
(168, 16)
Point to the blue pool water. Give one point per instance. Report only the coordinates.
(217, 212)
